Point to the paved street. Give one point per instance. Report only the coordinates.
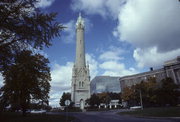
(111, 116)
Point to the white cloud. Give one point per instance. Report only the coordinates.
(93, 65)
(69, 35)
(111, 63)
(146, 24)
(152, 58)
(105, 8)
(113, 53)
(88, 24)
(149, 23)
(152, 26)
(44, 3)
(61, 81)
(114, 68)
(89, 6)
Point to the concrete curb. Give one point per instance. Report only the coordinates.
(156, 117)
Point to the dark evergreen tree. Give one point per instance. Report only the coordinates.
(93, 101)
(65, 96)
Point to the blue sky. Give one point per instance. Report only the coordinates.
(122, 37)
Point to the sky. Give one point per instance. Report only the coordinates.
(122, 37)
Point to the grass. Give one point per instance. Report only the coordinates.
(17, 117)
(97, 109)
(155, 112)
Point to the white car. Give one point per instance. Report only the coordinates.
(38, 111)
(136, 107)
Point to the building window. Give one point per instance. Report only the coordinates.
(82, 84)
(79, 84)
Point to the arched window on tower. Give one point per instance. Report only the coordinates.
(79, 84)
(82, 84)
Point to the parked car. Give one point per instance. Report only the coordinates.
(38, 111)
(136, 107)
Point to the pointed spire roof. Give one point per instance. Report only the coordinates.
(80, 21)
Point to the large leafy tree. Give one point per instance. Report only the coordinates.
(104, 98)
(168, 93)
(93, 101)
(148, 90)
(162, 93)
(26, 81)
(23, 25)
(128, 93)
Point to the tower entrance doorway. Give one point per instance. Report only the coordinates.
(81, 104)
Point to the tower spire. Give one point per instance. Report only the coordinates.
(80, 22)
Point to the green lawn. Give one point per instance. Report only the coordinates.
(155, 112)
(16, 117)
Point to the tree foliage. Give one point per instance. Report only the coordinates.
(153, 93)
(93, 101)
(26, 81)
(64, 97)
(22, 25)
(128, 94)
(168, 93)
(104, 97)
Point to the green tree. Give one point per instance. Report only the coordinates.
(93, 101)
(153, 93)
(128, 94)
(147, 89)
(104, 98)
(64, 97)
(115, 96)
(23, 25)
(168, 93)
(26, 81)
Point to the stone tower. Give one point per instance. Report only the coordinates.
(80, 86)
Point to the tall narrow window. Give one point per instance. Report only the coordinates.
(79, 84)
(80, 41)
(82, 84)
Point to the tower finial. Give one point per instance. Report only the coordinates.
(80, 21)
